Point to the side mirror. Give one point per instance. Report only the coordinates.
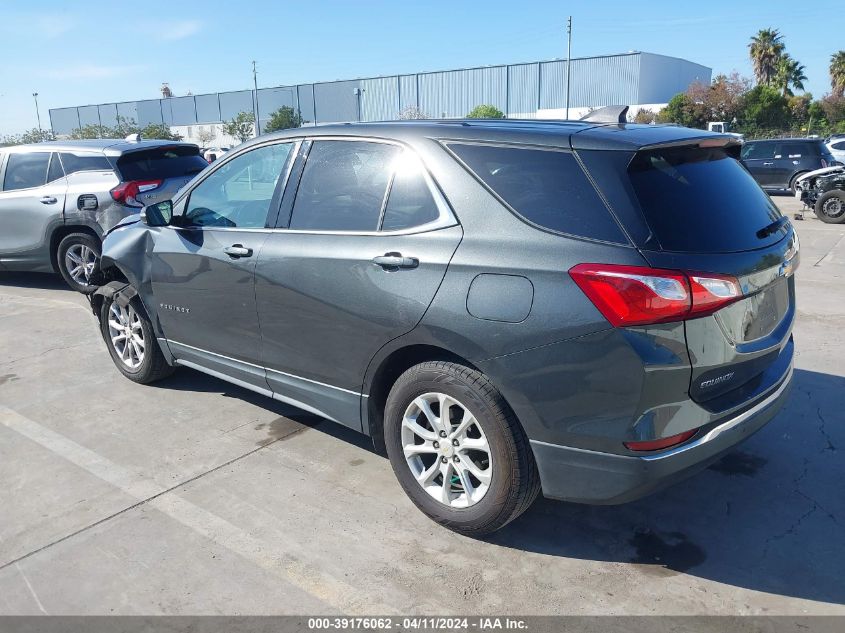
(159, 214)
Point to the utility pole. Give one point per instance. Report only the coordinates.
(255, 110)
(37, 113)
(568, 61)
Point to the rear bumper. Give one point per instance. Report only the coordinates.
(583, 476)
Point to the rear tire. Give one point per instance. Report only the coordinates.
(78, 260)
(492, 476)
(131, 342)
(830, 207)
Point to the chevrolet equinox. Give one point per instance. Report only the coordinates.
(594, 310)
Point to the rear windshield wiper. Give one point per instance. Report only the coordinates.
(774, 227)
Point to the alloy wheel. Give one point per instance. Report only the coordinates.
(127, 335)
(446, 450)
(80, 261)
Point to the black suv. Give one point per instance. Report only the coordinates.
(592, 309)
(775, 164)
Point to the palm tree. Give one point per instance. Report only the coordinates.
(789, 74)
(837, 73)
(766, 49)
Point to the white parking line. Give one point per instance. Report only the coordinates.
(336, 593)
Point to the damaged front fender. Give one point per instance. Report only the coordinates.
(128, 250)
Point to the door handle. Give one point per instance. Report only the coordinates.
(395, 260)
(768, 163)
(48, 200)
(237, 250)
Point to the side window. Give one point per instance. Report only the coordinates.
(54, 172)
(409, 202)
(74, 162)
(840, 145)
(792, 150)
(24, 171)
(238, 195)
(758, 151)
(343, 186)
(546, 187)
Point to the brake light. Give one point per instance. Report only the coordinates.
(656, 445)
(638, 295)
(127, 192)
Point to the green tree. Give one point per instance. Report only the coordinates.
(284, 118)
(158, 131)
(241, 126)
(645, 116)
(486, 112)
(682, 110)
(764, 109)
(92, 130)
(789, 74)
(30, 136)
(765, 50)
(837, 73)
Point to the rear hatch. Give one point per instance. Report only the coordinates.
(708, 215)
(159, 172)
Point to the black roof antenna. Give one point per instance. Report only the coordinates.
(607, 114)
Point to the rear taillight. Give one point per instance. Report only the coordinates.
(127, 192)
(637, 295)
(656, 445)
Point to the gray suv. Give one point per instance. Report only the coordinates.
(594, 310)
(58, 198)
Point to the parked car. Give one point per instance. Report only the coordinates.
(824, 191)
(213, 153)
(58, 198)
(836, 147)
(597, 310)
(775, 164)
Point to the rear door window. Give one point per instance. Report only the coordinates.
(547, 188)
(702, 200)
(409, 203)
(54, 172)
(343, 186)
(758, 151)
(26, 170)
(161, 163)
(75, 162)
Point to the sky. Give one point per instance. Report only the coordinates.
(84, 52)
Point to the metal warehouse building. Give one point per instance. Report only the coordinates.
(528, 90)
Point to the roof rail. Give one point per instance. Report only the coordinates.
(607, 114)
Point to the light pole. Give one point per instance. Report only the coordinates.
(568, 61)
(37, 113)
(257, 113)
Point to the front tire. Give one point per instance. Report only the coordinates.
(830, 207)
(78, 259)
(131, 342)
(471, 470)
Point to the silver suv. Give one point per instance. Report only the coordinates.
(58, 199)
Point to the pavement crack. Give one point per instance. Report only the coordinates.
(136, 505)
(42, 353)
(823, 430)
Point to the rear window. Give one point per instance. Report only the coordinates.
(161, 163)
(701, 200)
(546, 187)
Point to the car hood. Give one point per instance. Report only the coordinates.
(127, 221)
(819, 172)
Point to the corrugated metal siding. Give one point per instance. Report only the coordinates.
(64, 120)
(408, 96)
(596, 81)
(380, 99)
(454, 93)
(517, 89)
(336, 101)
(523, 90)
